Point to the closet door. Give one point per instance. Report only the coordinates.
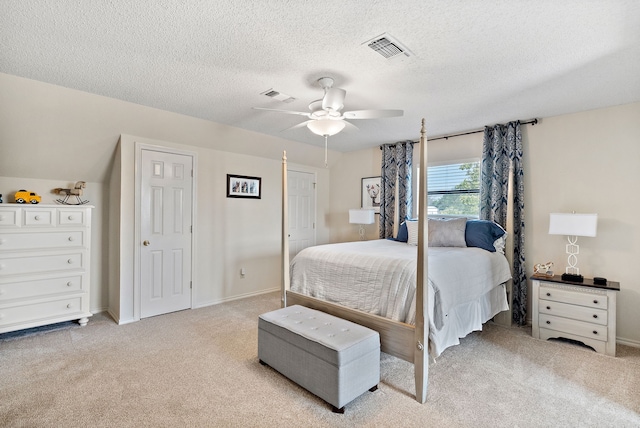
(165, 224)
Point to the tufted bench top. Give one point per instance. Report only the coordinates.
(329, 338)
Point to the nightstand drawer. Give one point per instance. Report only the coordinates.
(576, 312)
(592, 300)
(580, 328)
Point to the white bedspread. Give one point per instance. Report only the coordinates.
(379, 277)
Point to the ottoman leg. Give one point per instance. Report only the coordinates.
(334, 409)
(373, 388)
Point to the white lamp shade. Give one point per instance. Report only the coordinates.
(324, 127)
(573, 224)
(358, 216)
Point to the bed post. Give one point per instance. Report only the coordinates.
(421, 352)
(285, 233)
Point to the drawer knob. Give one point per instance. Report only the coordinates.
(37, 217)
(548, 308)
(595, 332)
(71, 238)
(69, 284)
(548, 322)
(595, 316)
(70, 261)
(548, 294)
(595, 302)
(69, 306)
(70, 217)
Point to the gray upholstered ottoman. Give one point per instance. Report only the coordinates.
(332, 358)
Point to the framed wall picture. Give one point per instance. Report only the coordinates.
(370, 193)
(242, 186)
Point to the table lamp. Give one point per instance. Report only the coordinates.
(361, 217)
(573, 225)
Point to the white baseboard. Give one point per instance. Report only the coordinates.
(627, 342)
(238, 297)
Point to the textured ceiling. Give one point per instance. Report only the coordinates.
(474, 62)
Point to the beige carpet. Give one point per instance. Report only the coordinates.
(199, 368)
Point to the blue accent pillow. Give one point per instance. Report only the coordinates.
(482, 234)
(403, 233)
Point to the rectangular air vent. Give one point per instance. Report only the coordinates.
(278, 95)
(387, 46)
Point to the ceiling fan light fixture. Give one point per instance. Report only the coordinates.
(326, 127)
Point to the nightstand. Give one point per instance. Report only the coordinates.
(581, 311)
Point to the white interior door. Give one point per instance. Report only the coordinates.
(166, 208)
(302, 209)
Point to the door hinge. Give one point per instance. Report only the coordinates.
(191, 284)
(314, 185)
(314, 225)
(191, 229)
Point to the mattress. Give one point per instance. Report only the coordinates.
(466, 285)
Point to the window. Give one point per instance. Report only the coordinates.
(454, 189)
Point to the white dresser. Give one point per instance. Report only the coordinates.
(44, 265)
(584, 312)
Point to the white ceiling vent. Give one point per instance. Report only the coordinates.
(387, 46)
(278, 95)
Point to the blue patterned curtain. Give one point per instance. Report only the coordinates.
(502, 155)
(397, 162)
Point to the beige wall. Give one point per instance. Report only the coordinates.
(52, 136)
(584, 162)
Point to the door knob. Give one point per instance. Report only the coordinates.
(146, 243)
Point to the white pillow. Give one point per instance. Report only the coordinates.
(499, 243)
(412, 232)
(447, 232)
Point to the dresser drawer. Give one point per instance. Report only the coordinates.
(580, 328)
(39, 217)
(68, 217)
(42, 310)
(576, 312)
(9, 217)
(42, 287)
(592, 300)
(42, 240)
(42, 263)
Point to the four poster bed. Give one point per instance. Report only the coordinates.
(418, 304)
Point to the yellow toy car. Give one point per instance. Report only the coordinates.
(25, 196)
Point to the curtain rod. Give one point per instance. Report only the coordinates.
(477, 131)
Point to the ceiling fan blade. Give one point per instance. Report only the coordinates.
(333, 99)
(351, 127)
(299, 125)
(300, 113)
(371, 114)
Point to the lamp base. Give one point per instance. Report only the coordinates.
(572, 278)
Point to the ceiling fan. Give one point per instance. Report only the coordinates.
(325, 115)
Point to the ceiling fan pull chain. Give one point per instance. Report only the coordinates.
(325, 149)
